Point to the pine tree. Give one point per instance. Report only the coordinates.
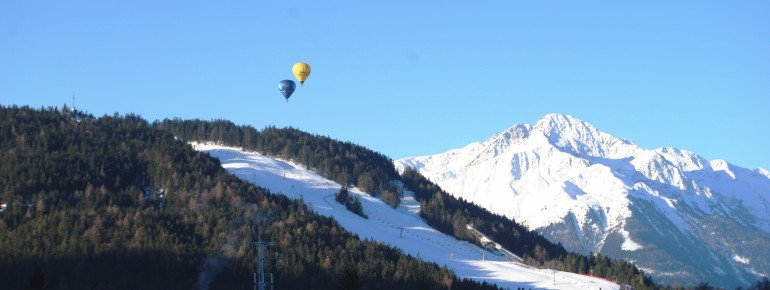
(37, 280)
(349, 280)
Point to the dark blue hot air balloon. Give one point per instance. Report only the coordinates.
(287, 88)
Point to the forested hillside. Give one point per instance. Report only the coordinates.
(336, 160)
(116, 203)
(343, 162)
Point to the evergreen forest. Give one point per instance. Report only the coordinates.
(118, 203)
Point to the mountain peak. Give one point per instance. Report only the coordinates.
(577, 136)
(555, 121)
(556, 117)
(555, 126)
(519, 131)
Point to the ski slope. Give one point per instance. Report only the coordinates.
(384, 223)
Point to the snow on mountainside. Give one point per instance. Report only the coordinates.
(668, 210)
(418, 239)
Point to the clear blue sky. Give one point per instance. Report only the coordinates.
(408, 77)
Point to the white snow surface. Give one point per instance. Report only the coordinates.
(628, 243)
(544, 174)
(742, 260)
(419, 239)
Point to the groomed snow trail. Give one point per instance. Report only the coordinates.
(418, 240)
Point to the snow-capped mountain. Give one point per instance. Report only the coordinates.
(676, 215)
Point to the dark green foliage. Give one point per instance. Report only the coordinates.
(703, 286)
(115, 203)
(351, 202)
(37, 281)
(349, 280)
(343, 162)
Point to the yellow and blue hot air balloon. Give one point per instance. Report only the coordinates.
(301, 71)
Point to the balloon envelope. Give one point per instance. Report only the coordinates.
(287, 88)
(301, 71)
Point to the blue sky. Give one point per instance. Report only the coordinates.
(408, 78)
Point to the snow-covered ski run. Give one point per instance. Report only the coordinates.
(418, 239)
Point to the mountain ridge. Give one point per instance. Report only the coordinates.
(595, 192)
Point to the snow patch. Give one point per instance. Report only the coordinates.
(721, 165)
(628, 243)
(763, 172)
(741, 260)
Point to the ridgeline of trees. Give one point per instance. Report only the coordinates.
(116, 203)
(343, 162)
(451, 215)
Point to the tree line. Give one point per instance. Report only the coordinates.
(343, 162)
(117, 203)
